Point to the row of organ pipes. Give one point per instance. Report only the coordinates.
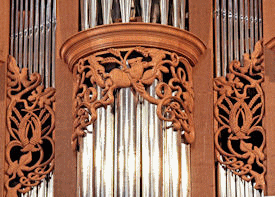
(129, 151)
(238, 26)
(32, 44)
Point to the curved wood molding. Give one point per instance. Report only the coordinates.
(239, 111)
(31, 128)
(135, 34)
(271, 44)
(133, 55)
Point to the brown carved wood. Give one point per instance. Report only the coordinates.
(239, 109)
(31, 130)
(137, 68)
(133, 55)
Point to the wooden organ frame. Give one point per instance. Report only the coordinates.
(202, 149)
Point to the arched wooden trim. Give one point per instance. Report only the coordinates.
(131, 35)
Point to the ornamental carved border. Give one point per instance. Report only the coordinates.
(239, 111)
(137, 68)
(31, 128)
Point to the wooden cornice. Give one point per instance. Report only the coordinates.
(131, 35)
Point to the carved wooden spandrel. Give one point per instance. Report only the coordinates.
(137, 68)
(239, 111)
(31, 128)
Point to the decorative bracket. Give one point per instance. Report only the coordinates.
(30, 124)
(133, 55)
(239, 110)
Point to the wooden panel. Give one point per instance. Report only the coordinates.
(4, 51)
(202, 151)
(65, 162)
(269, 90)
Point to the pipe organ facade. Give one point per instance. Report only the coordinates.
(137, 98)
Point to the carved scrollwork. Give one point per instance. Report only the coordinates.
(137, 68)
(30, 124)
(239, 110)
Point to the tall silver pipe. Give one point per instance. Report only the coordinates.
(176, 13)
(176, 171)
(185, 171)
(53, 43)
(36, 37)
(86, 14)
(26, 30)
(20, 35)
(16, 29)
(122, 163)
(108, 154)
(98, 147)
(183, 13)
(42, 39)
(30, 48)
(246, 26)
(146, 160)
(125, 10)
(139, 128)
(222, 178)
(155, 137)
(48, 43)
(224, 37)
(217, 35)
(252, 28)
(166, 162)
(93, 13)
(106, 11)
(236, 30)
(12, 27)
(102, 140)
(146, 10)
(241, 29)
(230, 31)
(256, 19)
(164, 9)
(131, 143)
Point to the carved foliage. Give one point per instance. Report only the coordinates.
(30, 123)
(137, 68)
(239, 109)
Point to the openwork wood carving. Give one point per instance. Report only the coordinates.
(239, 110)
(30, 123)
(137, 68)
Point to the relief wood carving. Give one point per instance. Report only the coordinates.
(31, 127)
(239, 110)
(138, 68)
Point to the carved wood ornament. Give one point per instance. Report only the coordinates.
(239, 110)
(137, 68)
(133, 55)
(30, 124)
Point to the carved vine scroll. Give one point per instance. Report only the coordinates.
(239, 110)
(137, 68)
(31, 127)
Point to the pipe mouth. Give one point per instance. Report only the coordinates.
(120, 35)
